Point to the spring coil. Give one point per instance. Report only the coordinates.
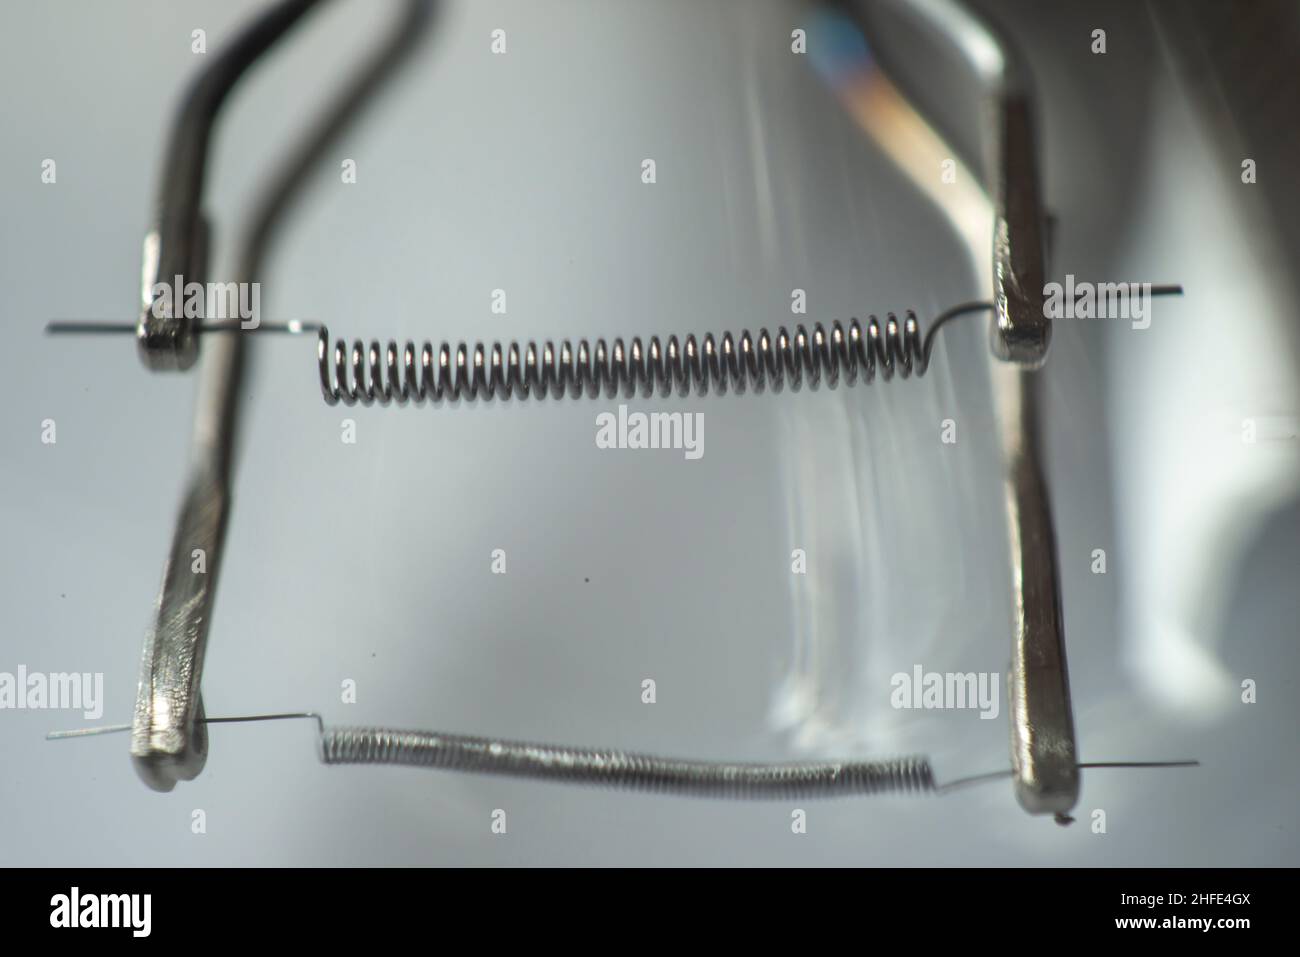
(624, 770)
(748, 362)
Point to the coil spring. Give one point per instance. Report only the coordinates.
(624, 770)
(709, 365)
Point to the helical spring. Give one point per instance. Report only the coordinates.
(848, 354)
(624, 770)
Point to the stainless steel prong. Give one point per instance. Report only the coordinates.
(1043, 752)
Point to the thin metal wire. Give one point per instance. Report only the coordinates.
(625, 770)
(99, 327)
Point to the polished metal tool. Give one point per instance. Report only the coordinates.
(168, 734)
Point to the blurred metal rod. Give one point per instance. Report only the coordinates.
(180, 241)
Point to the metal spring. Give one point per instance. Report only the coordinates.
(624, 770)
(702, 367)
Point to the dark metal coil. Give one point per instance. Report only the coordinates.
(849, 354)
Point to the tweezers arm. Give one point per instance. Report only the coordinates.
(1042, 724)
(180, 241)
(168, 736)
(1021, 329)
(1043, 759)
